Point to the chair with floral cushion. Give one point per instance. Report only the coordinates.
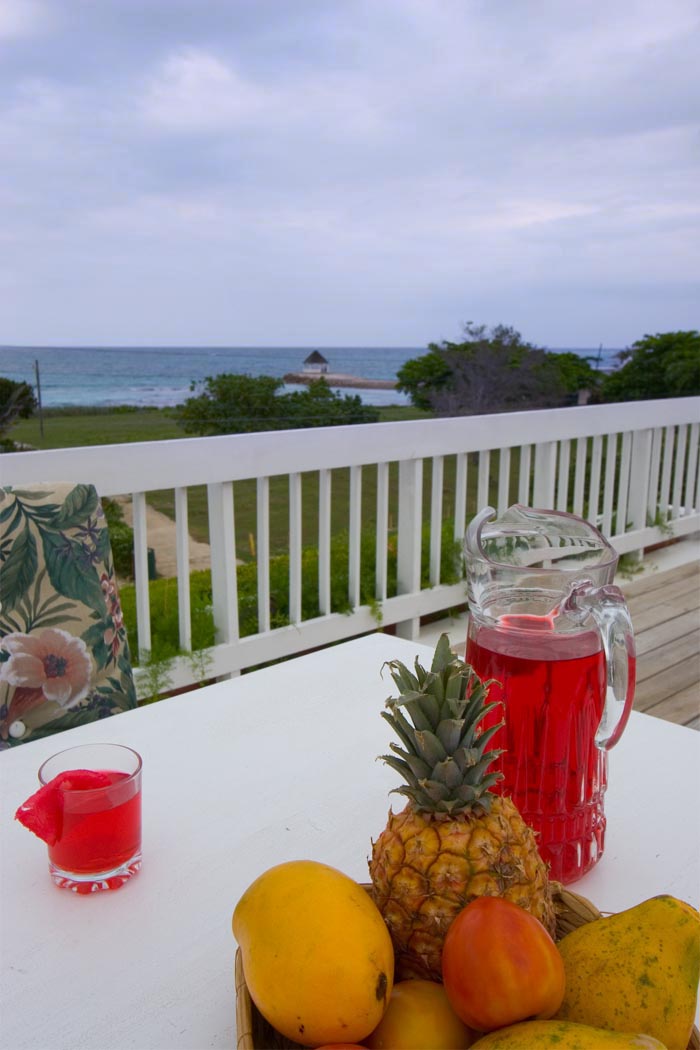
(64, 656)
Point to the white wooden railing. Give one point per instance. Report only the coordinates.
(631, 468)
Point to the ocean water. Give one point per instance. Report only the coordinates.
(162, 376)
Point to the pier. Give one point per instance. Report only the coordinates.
(339, 379)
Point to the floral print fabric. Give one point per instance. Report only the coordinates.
(64, 656)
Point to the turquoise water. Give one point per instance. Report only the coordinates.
(161, 376)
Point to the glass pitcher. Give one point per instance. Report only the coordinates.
(548, 625)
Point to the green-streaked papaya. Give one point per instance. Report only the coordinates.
(636, 971)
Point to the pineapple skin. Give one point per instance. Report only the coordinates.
(426, 867)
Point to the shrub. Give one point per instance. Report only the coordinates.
(164, 602)
(121, 538)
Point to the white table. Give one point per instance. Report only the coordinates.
(271, 766)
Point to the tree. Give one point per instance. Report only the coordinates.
(231, 404)
(575, 372)
(238, 404)
(421, 377)
(663, 365)
(17, 401)
(318, 406)
(491, 371)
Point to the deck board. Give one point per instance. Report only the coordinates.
(677, 633)
(660, 580)
(646, 616)
(665, 610)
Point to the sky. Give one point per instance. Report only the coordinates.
(348, 172)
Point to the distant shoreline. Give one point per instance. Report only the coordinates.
(339, 379)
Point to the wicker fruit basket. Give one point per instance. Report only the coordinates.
(254, 1032)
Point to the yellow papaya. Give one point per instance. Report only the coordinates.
(317, 956)
(636, 971)
(563, 1035)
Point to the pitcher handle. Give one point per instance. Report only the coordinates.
(608, 608)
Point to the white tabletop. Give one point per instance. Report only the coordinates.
(271, 766)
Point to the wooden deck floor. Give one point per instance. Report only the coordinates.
(665, 609)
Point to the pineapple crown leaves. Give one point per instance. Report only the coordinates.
(443, 760)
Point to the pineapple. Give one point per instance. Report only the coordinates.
(456, 839)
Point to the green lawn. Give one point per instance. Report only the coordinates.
(69, 428)
(64, 428)
(244, 495)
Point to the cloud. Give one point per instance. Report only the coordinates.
(433, 156)
(193, 91)
(20, 18)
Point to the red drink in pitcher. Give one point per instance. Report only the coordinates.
(553, 692)
(549, 626)
(101, 828)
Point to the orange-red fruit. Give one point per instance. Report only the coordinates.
(419, 1017)
(500, 966)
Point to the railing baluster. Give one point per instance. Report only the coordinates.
(224, 582)
(580, 475)
(182, 554)
(355, 533)
(262, 551)
(483, 496)
(654, 468)
(678, 470)
(690, 498)
(524, 476)
(295, 547)
(143, 607)
(324, 541)
(461, 496)
(503, 480)
(545, 471)
(594, 483)
(609, 485)
(665, 493)
(563, 475)
(639, 478)
(623, 483)
(409, 538)
(438, 470)
(382, 542)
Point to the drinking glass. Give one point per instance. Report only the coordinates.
(99, 843)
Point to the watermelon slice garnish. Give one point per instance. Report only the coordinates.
(42, 812)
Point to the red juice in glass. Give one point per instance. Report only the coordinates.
(552, 687)
(99, 843)
(101, 826)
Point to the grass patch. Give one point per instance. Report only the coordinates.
(76, 427)
(245, 503)
(68, 428)
(164, 601)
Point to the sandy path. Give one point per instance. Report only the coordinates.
(160, 530)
